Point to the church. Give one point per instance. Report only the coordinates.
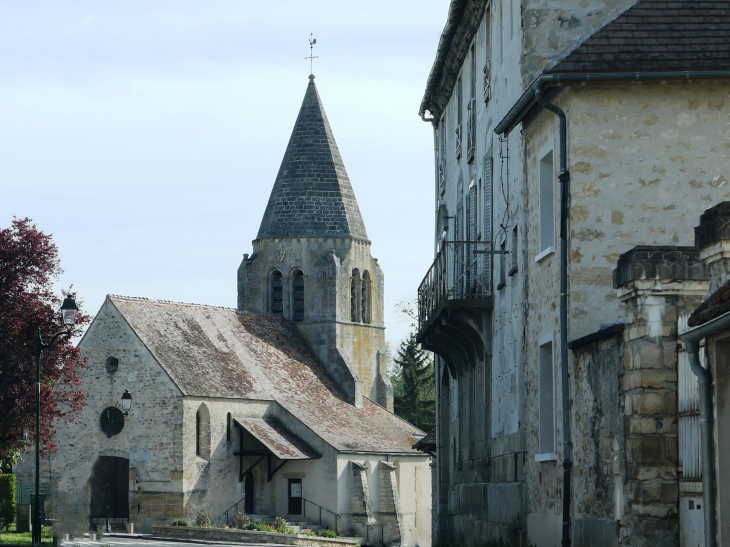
(280, 407)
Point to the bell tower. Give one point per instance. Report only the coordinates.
(311, 260)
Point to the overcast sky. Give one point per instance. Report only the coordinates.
(146, 136)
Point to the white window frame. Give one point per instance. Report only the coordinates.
(546, 453)
(546, 241)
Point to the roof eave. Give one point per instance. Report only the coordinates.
(454, 21)
(525, 103)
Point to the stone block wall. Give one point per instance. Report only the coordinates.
(390, 509)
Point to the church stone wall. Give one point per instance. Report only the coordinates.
(151, 438)
(327, 264)
(212, 483)
(400, 495)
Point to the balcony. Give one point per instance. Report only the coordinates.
(455, 304)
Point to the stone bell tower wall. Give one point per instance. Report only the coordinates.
(352, 350)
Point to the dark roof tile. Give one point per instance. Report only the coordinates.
(654, 35)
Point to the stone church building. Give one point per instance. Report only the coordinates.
(280, 407)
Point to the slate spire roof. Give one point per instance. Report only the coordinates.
(312, 194)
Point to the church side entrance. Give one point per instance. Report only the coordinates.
(295, 496)
(110, 488)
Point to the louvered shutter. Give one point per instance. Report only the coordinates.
(488, 236)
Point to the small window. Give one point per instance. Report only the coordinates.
(547, 202)
(277, 293)
(228, 426)
(513, 260)
(197, 433)
(297, 286)
(546, 365)
(502, 265)
(202, 432)
(355, 288)
(112, 364)
(365, 298)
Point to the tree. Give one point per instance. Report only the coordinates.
(28, 265)
(413, 385)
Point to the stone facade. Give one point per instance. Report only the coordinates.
(645, 158)
(278, 408)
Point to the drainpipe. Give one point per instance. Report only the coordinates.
(692, 339)
(564, 179)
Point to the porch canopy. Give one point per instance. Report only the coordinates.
(278, 440)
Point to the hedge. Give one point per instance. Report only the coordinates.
(7, 500)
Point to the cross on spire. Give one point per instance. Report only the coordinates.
(312, 57)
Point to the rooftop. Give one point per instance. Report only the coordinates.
(657, 35)
(220, 352)
(312, 194)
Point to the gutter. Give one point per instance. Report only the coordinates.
(692, 339)
(523, 104)
(564, 178)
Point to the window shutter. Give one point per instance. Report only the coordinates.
(488, 183)
(473, 213)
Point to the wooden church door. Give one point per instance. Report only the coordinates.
(110, 488)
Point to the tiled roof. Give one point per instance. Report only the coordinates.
(716, 305)
(220, 352)
(282, 443)
(657, 35)
(312, 194)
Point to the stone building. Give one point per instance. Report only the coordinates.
(280, 407)
(566, 134)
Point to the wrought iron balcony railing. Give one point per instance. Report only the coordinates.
(461, 270)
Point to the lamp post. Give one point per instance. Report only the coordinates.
(69, 310)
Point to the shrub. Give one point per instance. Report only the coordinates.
(241, 520)
(202, 519)
(328, 534)
(278, 523)
(7, 500)
(180, 522)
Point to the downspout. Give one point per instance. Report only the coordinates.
(691, 341)
(564, 179)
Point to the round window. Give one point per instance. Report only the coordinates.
(112, 421)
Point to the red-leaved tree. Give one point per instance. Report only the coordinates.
(28, 265)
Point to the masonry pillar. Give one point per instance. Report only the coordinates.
(657, 284)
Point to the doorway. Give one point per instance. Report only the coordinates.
(109, 483)
(248, 493)
(295, 496)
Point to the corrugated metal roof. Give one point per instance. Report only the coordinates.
(221, 352)
(282, 443)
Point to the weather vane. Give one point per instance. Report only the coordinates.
(312, 57)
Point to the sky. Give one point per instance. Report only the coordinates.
(146, 136)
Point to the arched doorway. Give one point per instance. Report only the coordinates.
(109, 483)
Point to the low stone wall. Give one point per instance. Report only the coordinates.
(253, 536)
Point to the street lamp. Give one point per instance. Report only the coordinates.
(126, 402)
(69, 311)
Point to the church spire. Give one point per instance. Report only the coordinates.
(312, 194)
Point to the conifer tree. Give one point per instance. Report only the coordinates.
(413, 385)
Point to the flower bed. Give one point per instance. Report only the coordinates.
(253, 536)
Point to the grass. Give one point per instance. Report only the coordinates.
(14, 538)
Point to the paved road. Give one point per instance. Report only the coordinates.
(120, 541)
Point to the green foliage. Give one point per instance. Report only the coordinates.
(7, 500)
(241, 520)
(413, 385)
(259, 526)
(278, 523)
(202, 519)
(14, 538)
(327, 533)
(180, 522)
